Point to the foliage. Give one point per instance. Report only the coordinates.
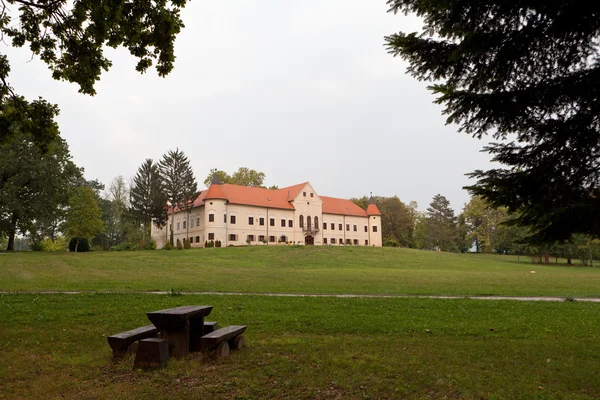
(243, 177)
(441, 224)
(58, 244)
(84, 215)
(168, 246)
(525, 73)
(218, 243)
(179, 245)
(34, 185)
(483, 223)
(209, 244)
(186, 244)
(389, 242)
(147, 197)
(70, 37)
(79, 245)
(178, 182)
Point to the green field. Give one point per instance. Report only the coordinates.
(54, 345)
(355, 270)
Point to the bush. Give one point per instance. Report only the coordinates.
(179, 245)
(218, 243)
(150, 245)
(82, 247)
(37, 246)
(186, 244)
(168, 246)
(59, 244)
(208, 244)
(127, 246)
(391, 243)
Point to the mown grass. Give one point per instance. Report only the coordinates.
(334, 270)
(54, 346)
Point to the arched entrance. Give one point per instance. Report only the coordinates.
(309, 240)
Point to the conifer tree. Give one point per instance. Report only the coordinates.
(526, 73)
(147, 197)
(441, 223)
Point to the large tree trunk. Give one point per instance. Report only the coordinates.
(11, 233)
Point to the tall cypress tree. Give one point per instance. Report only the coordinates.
(527, 73)
(179, 182)
(147, 197)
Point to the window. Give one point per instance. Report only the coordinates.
(308, 223)
(332, 240)
(304, 194)
(324, 240)
(355, 228)
(340, 227)
(261, 221)
(347, 227)
(261, 238)
(184, 224)
(191, 239)
(250, 220)
(211, 217)
(178, 226)
(366, 229)
(366, 242)
(197, 239)
(316, 222)
(283, 238)
(232, 219)
(324, 225)
(291, 223)
(301, 221)
(332, 226)
(192, 223)
(197, 222)
(312, 195)
(374, 228)
(272, 222)
(348, 241)
(250, 238)
(225, 218)
(232, 238)
(283, 223)
(356, 242)
(211, 236)
(272, 239)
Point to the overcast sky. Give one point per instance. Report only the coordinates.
(303, 91)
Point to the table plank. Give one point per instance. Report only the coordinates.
(176, 316)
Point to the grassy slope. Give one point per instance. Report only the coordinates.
(360, 270)
(55, 346)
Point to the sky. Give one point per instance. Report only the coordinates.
(302, 91)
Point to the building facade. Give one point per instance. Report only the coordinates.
(240, 215)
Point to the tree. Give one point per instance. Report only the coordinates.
(178, 181)
(84, 219)
(70, 37)
(483, 221)
(441, 223)
(243, 177)
(147, 198)
(525, 73)
(34, 186)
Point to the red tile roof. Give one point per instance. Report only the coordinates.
(278, 198)
(372, 209)
(332, 205)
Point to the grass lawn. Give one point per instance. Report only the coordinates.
(54, 346)
(358, 270)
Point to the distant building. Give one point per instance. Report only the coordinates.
(237, 215)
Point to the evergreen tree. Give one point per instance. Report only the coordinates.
(441, 223)
(528, 74)
(147, 197)
(84, 219)
(178, 181)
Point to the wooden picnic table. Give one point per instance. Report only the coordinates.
(181, 326)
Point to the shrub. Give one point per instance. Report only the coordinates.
(150, 245)
(186, 244)
(82, 247)
(39, 246)
(168, 246)
(127, 246)
(391, 243)
(59, 244)
(218, 243)
(179, 245)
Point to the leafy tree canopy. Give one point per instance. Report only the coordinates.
(243, 177)
(528, 74)
(84, 219)
(70, 37)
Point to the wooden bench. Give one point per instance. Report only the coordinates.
(222, 339)
(121, 342)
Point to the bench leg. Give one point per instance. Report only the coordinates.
(237, 343)
(152, 353)
(222, 350)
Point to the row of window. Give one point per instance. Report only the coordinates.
(261, 221)
(341, 241)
